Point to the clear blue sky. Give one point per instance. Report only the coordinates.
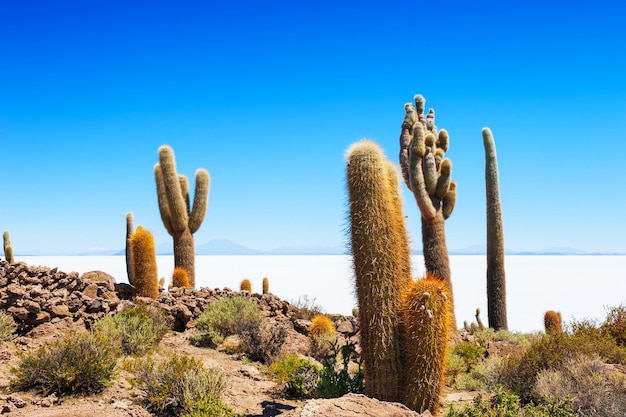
(268, 95)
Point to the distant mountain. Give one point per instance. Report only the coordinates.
(223, 247)
(307, 250)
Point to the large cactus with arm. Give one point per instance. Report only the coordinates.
(180, 220)
(427, 173)
(496, 281)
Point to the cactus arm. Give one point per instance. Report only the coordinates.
(449, 200)
(444, 180)
(430, 173)
(171, 182)
(200, 199)
(496, 282)
(416, 175)
(164, 209)
(184, 189)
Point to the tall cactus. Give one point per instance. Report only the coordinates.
(428, 175)
(144, 263)
(380, 265)
(180, 220)
(426, 326)
(8, 249)
(130, 228)
(496, 281)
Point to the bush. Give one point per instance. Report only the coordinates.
(82, 363)
(178, 385)
(306, 308)
(137, 330)
(261, 341)
(615, 324)
(225, 317)
(7, 327)
(585, 379)
(299, 376)
(210, 406)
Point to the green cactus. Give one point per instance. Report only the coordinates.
(180, 220)
(426, 312)
(428, 175)
(496, 281)
(266, 285)
(380, 265)
(144, 264)
(8, 249)
(130, 228)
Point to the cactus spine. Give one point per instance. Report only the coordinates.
(180, 278)
(266, 285)
(144, 263)
(130, 228)
(380, 273)
(428, 175)
(245, 285)
(426, 326)
(180, 220)
(496, 280)
(552, 322)
(8, 249)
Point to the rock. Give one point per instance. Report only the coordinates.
(91, 290)
(60, 310)
(19, 313)
(356, 405)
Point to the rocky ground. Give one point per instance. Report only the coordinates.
(47, 304)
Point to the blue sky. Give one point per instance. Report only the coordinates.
(268, 95)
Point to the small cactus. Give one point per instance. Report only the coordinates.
(481, 326)
(321, 325)
(552, 322)
(144, 268)
(245, 285)
(130, 228)
(180, 278)
(8, 249)
(266, 285)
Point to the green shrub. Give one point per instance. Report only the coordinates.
(137, 330)
(261, 341)
(178, 384)
(336, 379)
(225, 317)
(7, 327)
(299, 376)
(82, 363)
(615, 324)
(210, 406)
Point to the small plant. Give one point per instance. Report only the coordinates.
(321, 324)
(7, 327)
(299, 376)
(306, 308)
(180, 384)
(225, 317)
(552, 322)
(336, 379)
(266, 285)
(261, 341)
(245, 285)
(615, 324)
(211, 406)
(136, 330)
(78, 364)
(180, 278)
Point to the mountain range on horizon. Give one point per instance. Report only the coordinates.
(228, 247)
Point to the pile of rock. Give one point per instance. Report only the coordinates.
(35, 294)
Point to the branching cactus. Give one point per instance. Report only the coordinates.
(428, 174)
(144, 263)
(130, 228)
(180, 220)
(8, 249)
(381, 265)
(496, 281)
(427, 318)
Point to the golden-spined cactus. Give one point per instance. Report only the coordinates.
(496, 281)
(381, 264)
(144, 265)
(180, 219)
(552, 322)
(245, 285)
(266, 285)
(8, 249)
(180, 278)
(428, 174)
(426, 314)
(321, 325)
